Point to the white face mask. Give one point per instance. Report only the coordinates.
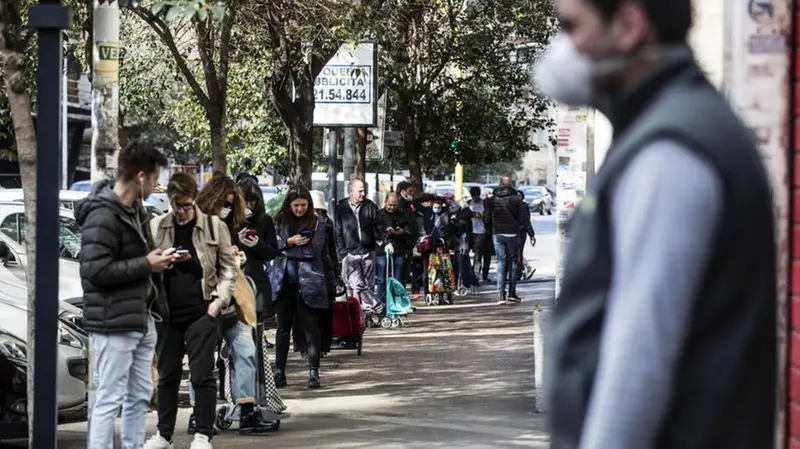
(247, 213)
(565, 75)
(224, 212)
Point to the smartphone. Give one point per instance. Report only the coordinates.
(305, 233)
(181, 252)
(251, 232)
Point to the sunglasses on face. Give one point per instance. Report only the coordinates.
(228, 204)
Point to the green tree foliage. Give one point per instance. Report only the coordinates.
(166, 80)
(450, 70)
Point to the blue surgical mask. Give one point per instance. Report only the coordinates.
(437, 210)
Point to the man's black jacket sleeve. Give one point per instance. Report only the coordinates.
(99, 243)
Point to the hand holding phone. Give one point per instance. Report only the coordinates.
(305, 233)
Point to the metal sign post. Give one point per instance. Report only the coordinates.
(50, 18)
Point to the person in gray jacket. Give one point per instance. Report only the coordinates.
(663, 337)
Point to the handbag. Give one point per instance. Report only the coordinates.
(244, 292)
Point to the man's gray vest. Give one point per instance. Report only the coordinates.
(725, 390)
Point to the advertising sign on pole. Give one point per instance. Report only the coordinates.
(375, 135)
(346, 89)
(571, 153)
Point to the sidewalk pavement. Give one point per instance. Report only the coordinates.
(461, 376)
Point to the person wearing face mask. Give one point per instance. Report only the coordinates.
(223, 197)
(662, 338)
(421, 210)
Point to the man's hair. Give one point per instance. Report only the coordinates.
(402, 185)
(671, 19)
(505, 181)
(138, 156)
(181, 185)
(353, 183)
(475, 191)
(391, 195)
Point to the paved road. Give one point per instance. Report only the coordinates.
(462, 376)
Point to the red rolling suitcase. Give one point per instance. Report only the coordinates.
(348, 324)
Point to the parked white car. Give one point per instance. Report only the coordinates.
(73, 359)
(68, 198)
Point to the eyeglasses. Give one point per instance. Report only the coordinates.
(183, 206)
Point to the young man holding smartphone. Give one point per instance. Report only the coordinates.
(119, 275)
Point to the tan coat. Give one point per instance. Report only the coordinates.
(211, 247)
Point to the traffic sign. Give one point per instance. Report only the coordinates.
(393, 138)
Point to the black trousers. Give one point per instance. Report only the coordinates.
(198, 340)
(482, 247)
(291, 309)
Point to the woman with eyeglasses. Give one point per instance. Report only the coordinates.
(302, 280)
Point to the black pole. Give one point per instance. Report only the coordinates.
(50, 18)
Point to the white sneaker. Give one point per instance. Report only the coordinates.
(157, 442)
(200, 442)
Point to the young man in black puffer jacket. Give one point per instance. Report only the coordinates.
(506, 217)
(121, 284)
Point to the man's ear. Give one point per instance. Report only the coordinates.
(630, 26)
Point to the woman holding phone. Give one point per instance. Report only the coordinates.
(302, 280)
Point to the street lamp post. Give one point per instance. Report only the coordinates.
(50, 18)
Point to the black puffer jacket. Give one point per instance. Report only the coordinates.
(118, 284)
(506, 213)
(348, 238)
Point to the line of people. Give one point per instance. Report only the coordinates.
(178, 285)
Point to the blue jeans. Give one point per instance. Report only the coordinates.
(123, 376)
(380, 269)
(239, 339)
(506, 250)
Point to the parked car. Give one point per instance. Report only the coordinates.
(14, 259)
(68, 198)
(72, 368)
(81, 186)
(13, 224)
(539, 199)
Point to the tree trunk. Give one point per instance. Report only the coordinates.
(302, 130)
(412, 145)
(217, 127)
(14, 75)
(361, 154)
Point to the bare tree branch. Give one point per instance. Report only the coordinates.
(163, 31)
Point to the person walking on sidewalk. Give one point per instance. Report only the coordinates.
(507, 215)
(482, 255)
(662, 338)
(120, 279)
(199, 286)
(399, 228)
(302, 280)
(359, 233)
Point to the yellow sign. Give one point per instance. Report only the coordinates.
(108, 61)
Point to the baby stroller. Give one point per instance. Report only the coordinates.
(398, 305)
(268, 401)
(441, 278)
